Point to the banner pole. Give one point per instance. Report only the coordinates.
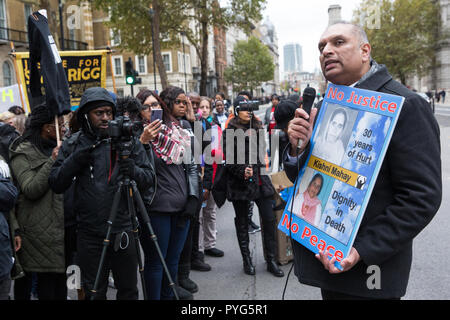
(13, 53)
(58, 138)
(111, 67)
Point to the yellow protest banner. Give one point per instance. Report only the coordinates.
(84, 69)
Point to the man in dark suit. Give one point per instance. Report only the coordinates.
(408, 190)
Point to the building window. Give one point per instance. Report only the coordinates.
(141, 64)
(120, 92)
(118, 62)
(115, 38)
(3, 31)
(7, 74)
(28, 11)
(167, 60)
(73, 45)
(182, 60)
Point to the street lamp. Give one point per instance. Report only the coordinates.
(61, 24)
(152, 13)
(183, 34)
(232, 78)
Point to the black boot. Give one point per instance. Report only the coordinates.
(198, 263)
(183, 278)
(270, 242)
(243, 241)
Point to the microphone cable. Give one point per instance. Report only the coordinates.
(290, 228)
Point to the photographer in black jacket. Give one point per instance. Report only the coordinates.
(96, 172)
(246, 182)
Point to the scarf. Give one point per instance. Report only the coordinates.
(171, 144)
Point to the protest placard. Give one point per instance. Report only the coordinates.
(9, 96)
(348, 145)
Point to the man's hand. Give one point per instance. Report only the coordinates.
(301, 128)
(127, 168)
(348, 263)
(190, 115)
(83, 157)
(248, 173)
(17, 243)
(205, 194)
(55, 152)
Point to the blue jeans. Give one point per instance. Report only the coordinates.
(171, 238)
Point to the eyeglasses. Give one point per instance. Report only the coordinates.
(178, 101)
(151, 105)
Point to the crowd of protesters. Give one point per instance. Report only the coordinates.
(62, 194)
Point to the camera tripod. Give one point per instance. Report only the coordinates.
(129, 188)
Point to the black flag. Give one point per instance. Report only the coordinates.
(43, 49)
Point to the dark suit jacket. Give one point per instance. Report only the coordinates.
(405, 198)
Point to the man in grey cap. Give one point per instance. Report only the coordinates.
(96, 171)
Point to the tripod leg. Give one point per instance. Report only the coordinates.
(132, 211)
(107, 241)
(146, 219)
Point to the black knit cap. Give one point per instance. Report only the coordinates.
(40, 115)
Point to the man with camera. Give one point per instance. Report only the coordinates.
(96, 164)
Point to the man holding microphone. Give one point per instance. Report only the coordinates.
(408, 190)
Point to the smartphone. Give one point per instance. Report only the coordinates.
(156, 114)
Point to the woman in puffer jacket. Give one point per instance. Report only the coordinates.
(39, 211)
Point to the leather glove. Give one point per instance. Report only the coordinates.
(127, 168)
(83, 157)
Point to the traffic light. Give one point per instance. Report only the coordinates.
(136, 79)
(131, 74)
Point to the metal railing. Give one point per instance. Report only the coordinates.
(74, 45)
(8, 34)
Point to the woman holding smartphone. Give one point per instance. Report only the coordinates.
(173, 201)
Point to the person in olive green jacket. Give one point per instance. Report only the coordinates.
(39, 211)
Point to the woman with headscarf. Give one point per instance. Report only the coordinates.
(329, 145)
(39, 211)
(306, 204)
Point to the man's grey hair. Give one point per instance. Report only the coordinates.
(359, 31)
(193, 95)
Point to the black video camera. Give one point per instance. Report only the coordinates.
(123, 127)
(249, 106)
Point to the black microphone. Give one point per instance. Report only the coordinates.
(309, 95)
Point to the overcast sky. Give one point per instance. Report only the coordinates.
(303, 22)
